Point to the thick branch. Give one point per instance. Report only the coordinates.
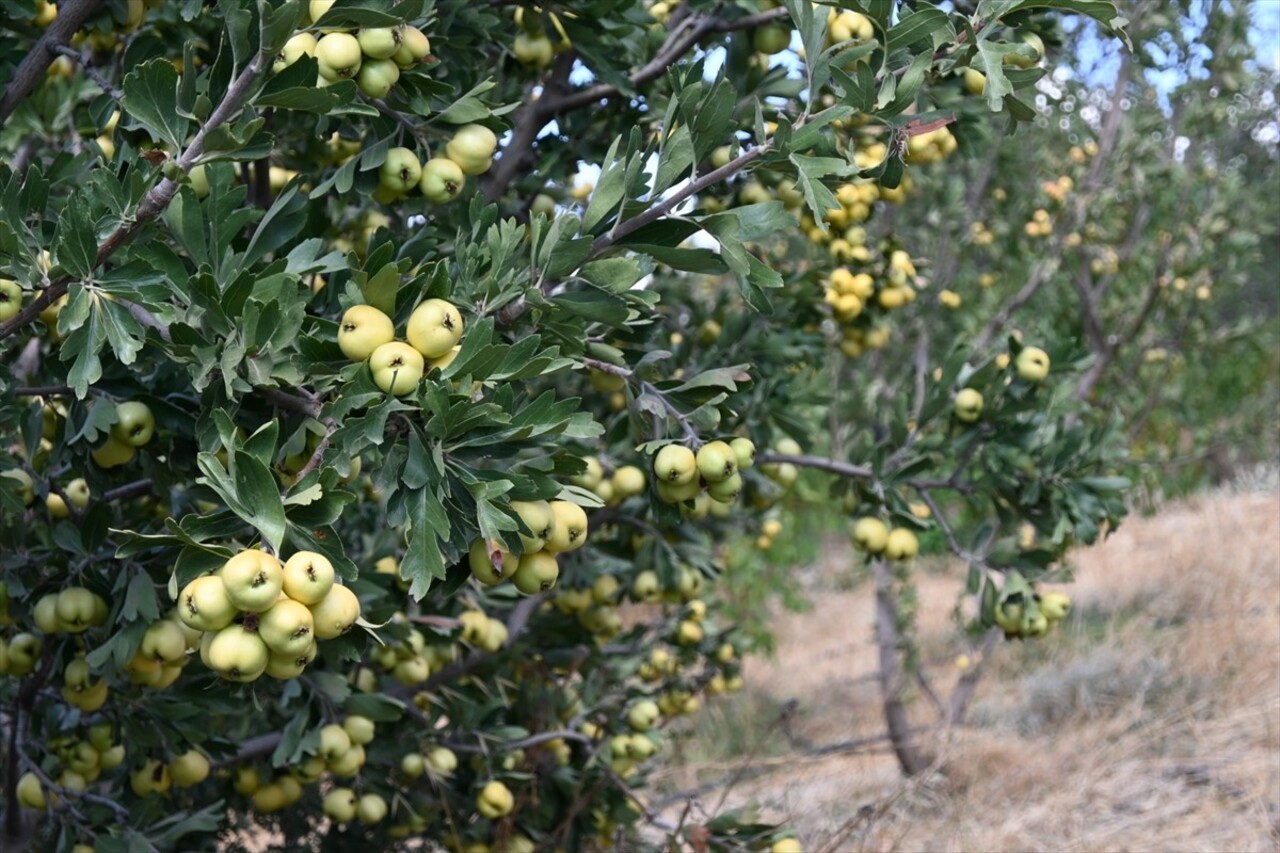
(910, 758)
(72, 15)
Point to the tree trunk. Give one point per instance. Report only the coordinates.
(910, 758)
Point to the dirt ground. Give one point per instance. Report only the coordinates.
(1150, 720)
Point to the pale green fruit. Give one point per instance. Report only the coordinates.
(414, 47)
(371, 809)
(340, 805)
(397, 368)
(400, 171)
(362, 330)
(190, 768)
(472, 148)
(134, 424)
(1032, 364)
(360, 729)
(375, 79)
(339, 56)
(968, 405)
(253, 580)
(901, 544)
(379, 42)
(287, 628)
(204, 605)
(299, 45)
(442, 180)
(870, 535)
(539, 518)
(495, 800)
(237, 654)
(336, 613)
(536, 573)
(570, 531)
(164, 642)
(435, 326)
(716, 461)
(486, 569)
(308, 577)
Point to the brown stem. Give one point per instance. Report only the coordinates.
(910, 758)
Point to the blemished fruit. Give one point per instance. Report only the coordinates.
(204, 604)
(397, 368)
(237, 654)
(1032, 364)
(435, 326)
(495, 800)
(968, 405)
(486, 568)
(570, 531)
(308, 577)
(539, 518)
(339, 56)
(362, 330)
(152, 778)
(253, 580)
(134, 424)
(675, 464)
(901, 544)
(335, 613)
(401, 170)
(870, 535)
(536, 573)
(472, 148)
(442, 180)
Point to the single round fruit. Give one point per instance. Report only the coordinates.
(371, 809)
(340, 805)
(534, 51)
(164, 642)
(237, 654)
(901, 544)
(434, 328)
(975, 82)
(397, 368)
(1055, 606)
(786, 845)
(362, 330)
(486, 568)
(442, 761)
(360, 729)
(536, 573)
(299, 45)
(190, 768)
(112, 453)
(472, 148)
(771, 38)
(401, 171)
(717, 461)
(379, 42)
(628, 481)
(75, 609)
(287, 628)
(375, 78)
(336, 613)
(339, 56)
(968, 405)
(414, 47)
(10, 299)
(539, 518)
(870, 535)
(1032, 364)
(253, 580)
(413, 765)
(495, 800)
(570, 531)
(204, 604)
(30, 791)
(308, 577)
(675, 464)
(442, 180)
(134, 424)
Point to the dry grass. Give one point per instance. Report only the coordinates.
(1152, 722)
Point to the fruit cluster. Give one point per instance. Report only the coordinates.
(373, 57)
(283, 610)
(441, 179)
(554, 527)
(873, 536)
(433, 333)
(533, 48)
(80, 763)
(713, 473)
(1024, 617)
(134, 427)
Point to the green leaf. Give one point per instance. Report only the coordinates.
(260, 499)
(469, 107)
(381, 288)
(809, 174)
(75, 247)
(917, 27)
(151, 98)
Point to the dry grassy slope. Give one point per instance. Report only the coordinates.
(1152, 722)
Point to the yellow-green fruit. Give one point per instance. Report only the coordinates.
(371, 809)
(204, 604)
(190, 768)
(870, 535)
(135, 425)
(968, 405)
(628, 481)
(1032, 364)
(717, 461)
(253, 580)
(490, 562)
(414, 47)
(442, 761)
(26, 487)
(442, 180)
(975, 82)
(472, 148)
(536, 573)
(434, 328)
(152, 778)
(237, 654)
(335, 613)
(112, 454)
(570, 531)
(495, 800)
(340, 805)
(1055, 606)
(30, 791)
(541, 521)
(287, 627)
(901, 544)
(397, 368)
(362, 330)
(675, 464)
(360, 729)
(744, 450)
(786, 845)
(339, 56)
(308, 577)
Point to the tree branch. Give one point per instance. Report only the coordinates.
(78, 58)
(72, 15)
(158, 198)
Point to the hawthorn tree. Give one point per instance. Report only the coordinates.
(364, 468)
